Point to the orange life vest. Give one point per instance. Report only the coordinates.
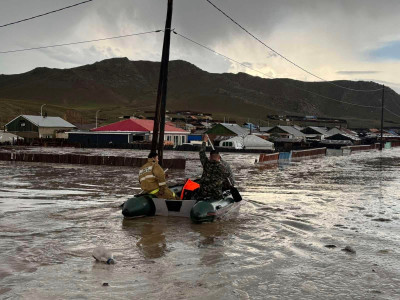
(189, 186)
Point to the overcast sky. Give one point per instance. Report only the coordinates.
(335, 39)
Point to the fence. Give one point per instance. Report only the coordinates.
(309, 153)
(264, 158)
(176, 163)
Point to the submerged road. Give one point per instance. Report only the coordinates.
(53, 216)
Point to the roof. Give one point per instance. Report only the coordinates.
(343, 131)
(298, 127)
(137, 125)
(342, 134)
(336, 142)
(252, 141)
(46, 121)
(320, 130)
(7, 137)
(265, 128)
(288, 140)
(235, 128)
(290, 130)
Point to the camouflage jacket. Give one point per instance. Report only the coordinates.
(214, 176)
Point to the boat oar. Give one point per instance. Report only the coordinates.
(234, 191)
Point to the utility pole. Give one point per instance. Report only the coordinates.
(383, 104)
(159, 118)
(96, 116)
(41, 110)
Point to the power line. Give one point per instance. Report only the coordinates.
(389, 111)
(285, 58)
(314, 93)
(81, 42)
(48, 13)
(231, 59)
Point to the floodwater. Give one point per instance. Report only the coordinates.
(53, 216)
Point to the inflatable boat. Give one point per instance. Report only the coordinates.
(199, 211)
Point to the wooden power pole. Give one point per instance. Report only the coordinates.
(159, 118)
(383, 105)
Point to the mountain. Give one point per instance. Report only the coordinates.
(119, 86)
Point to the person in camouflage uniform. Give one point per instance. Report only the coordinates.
(215, 174)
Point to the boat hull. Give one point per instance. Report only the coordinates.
(199, 211)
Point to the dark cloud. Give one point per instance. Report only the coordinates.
(349, 26)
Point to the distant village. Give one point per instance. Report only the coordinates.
(184, 130)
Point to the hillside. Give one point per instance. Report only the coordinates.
(119, 86)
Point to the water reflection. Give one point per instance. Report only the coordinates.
(151, 233)
(214, 238)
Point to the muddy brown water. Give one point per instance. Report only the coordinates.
(53, 216)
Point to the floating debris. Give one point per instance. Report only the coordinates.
(384, 251)
(382, 220)
(349, 249)
(101, 254)
(330, 246)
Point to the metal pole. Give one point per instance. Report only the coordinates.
(96, 116)
(383, 104)
(41, 110)
(159, 120)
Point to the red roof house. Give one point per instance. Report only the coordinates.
(138, 125)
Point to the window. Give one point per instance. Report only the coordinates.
(183, 139)
(21, 123)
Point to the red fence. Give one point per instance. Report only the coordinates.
(309, 153)
(176, 163)
(363, 147)
(269, 157)
(395, 144)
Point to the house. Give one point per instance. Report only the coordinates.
(223, 131)
(286, 132)
(30, 127)
(344, 137)
(126, 132)
(314, 132)
(250, 141)
(346, 131)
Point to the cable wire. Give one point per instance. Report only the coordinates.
(48, 13)
(314, 93)
(81, 42)
(285, 58)
(389, 111)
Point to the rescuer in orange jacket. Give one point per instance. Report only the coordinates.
(152, 179)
